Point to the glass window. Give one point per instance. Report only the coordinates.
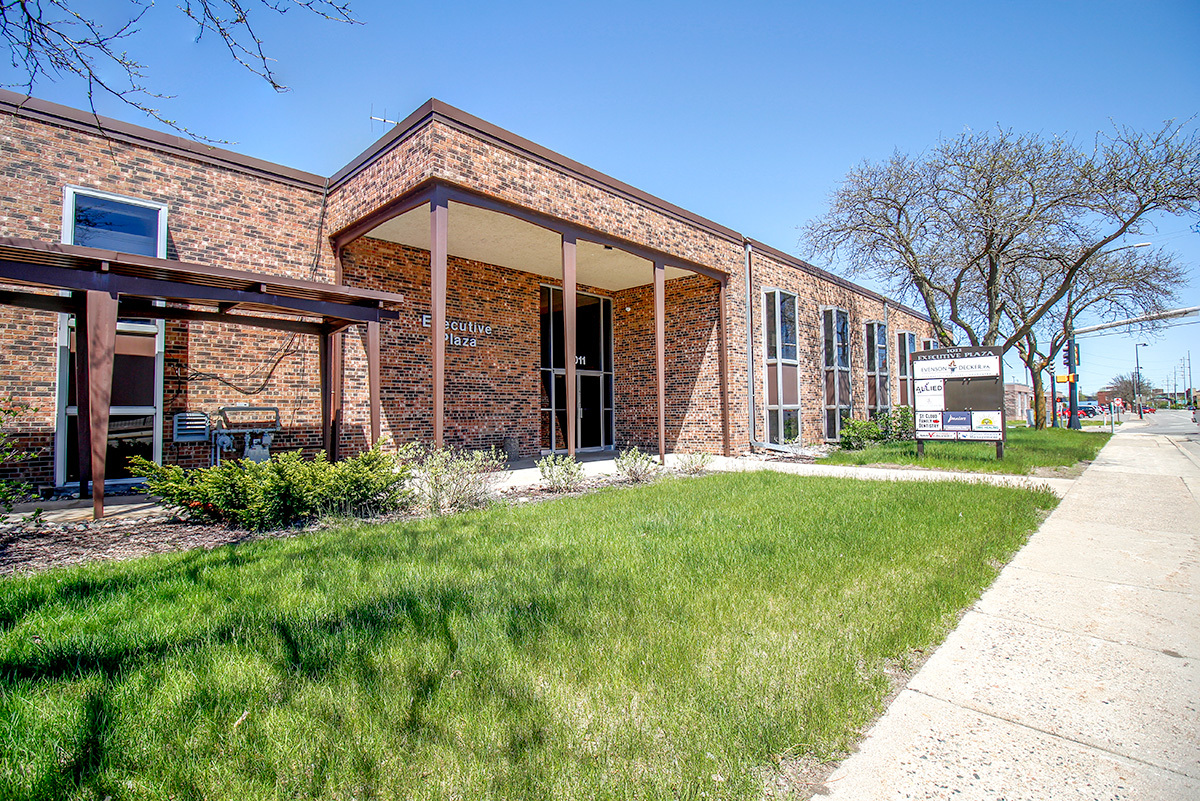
(906, 345)
(93, 218)
(835, 327)
(878, 395)
(593, 376)
(782, 376)
(96, 219)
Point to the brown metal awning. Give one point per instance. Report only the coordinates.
(105, 285)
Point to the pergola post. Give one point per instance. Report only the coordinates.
(723, 363)
(101, 334)
(569, 335)
(328, 404)
(660, 347)
(439, 220)
(373, 379)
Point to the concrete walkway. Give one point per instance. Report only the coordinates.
(1077, 675)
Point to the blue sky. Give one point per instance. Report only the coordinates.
(748, 114)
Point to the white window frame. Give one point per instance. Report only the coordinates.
(904, 365)
(882, 378)
(848, 404)
(778, 365)
(66, 323)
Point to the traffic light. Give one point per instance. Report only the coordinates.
(1066, 356)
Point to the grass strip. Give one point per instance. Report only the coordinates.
(1024, 450)
(665, 641)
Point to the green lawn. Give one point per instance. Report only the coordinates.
(1024, 450)
(665, 641)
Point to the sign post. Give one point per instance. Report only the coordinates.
(958, 395)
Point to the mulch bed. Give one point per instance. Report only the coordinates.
(28, 548)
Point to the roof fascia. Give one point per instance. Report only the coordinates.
(825, 275)
(435, 110)
(33, 108)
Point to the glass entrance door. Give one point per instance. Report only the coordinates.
(593, 372)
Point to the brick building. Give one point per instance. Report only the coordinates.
(688, 336)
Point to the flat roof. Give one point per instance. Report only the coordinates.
(433, 109)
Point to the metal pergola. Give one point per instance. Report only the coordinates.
(99, 286)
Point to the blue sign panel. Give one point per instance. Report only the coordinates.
(956, 421)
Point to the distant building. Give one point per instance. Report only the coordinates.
(1018, 399)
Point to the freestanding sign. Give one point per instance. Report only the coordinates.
(958, 394)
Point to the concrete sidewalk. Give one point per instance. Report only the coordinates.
(1077, 675)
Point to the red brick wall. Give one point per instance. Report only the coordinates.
(216, 215)
(814, 293)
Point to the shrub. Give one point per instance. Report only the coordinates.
(282, 491)
(560, 472)
(858, 434)
(12, 491)
(693, 464)
(636, 466)
(448, 480)
(900, 424)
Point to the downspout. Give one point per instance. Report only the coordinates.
(749, 349)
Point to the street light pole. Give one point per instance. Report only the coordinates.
(1137, 378)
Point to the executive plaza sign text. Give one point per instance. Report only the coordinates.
(958, 394)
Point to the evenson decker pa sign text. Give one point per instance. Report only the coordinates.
(958, 394)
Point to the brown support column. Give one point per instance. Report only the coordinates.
(723, 365)
(83, 426)
(101, 349)
(336, 374)
(373, 379)
(325, 368)
(438, 225)
(660, 348)
(569, 336)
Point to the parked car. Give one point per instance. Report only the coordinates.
(1149, 410)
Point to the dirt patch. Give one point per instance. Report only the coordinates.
(803, 778)
(1070, 471)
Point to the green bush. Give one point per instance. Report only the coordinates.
(12, 491)
(560, 472)
(448, 480)
(283, 491)
(858, 434)
(900, 424)
(635, 465)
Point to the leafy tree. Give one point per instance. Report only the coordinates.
(61, 38)
(983, 214)
(1120, 284)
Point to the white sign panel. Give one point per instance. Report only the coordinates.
(929, 395)
(984, 435)
(937, 435)
(986, 421)
(961, 367)
(929, 421)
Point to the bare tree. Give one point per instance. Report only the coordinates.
(1121, 283)
(950, 227)
(1129, 386)
(48, 39)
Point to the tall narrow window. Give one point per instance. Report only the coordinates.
(783, 367)
(878, 397)
(92, 218)
(836, 338)
(906, 345)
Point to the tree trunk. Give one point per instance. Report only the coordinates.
(1039, 399)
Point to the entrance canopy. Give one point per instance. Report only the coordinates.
(104, 285)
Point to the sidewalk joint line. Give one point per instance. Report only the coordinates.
(1064, 737)
(1098, 638)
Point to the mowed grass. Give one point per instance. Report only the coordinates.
(1024, 450)
(666, 641)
